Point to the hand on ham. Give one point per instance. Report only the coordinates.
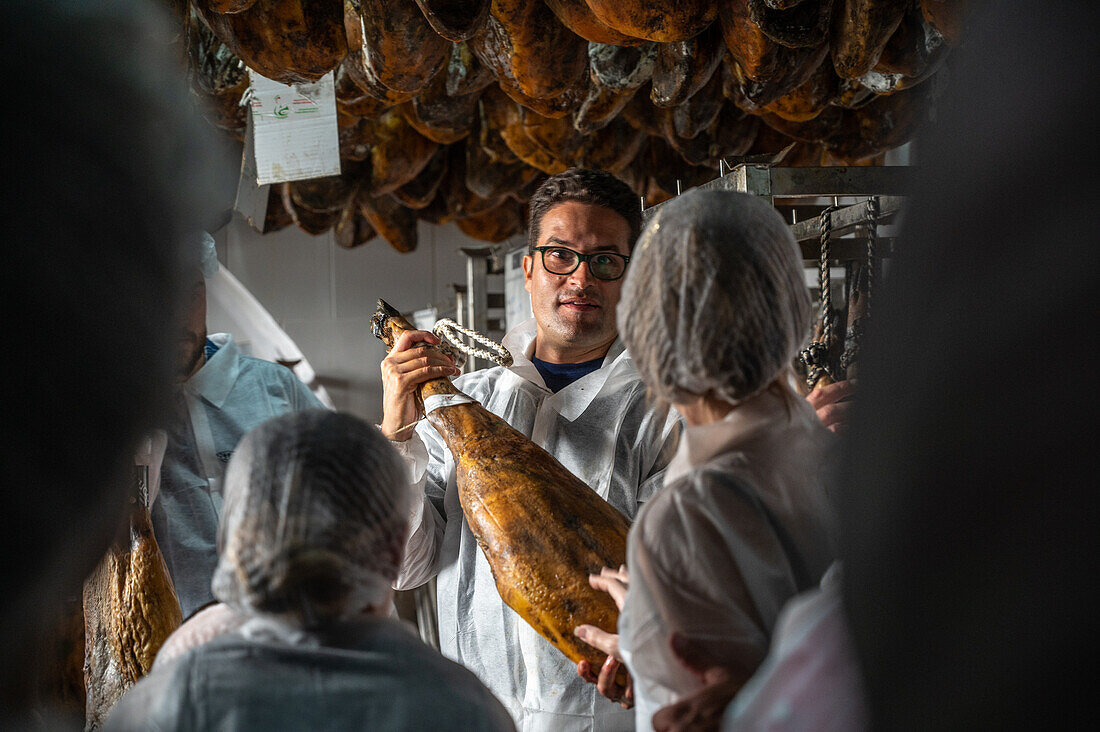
(702, 710)
(406, 367)
(614, 582)
(830, 405)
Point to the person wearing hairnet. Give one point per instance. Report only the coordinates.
(222, 395)
(314, 526)
(714, 310)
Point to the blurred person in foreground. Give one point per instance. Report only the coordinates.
(108, 171)
(714, 310)
(220, 395)
(968, 496)
(966, 503)
(316, 507)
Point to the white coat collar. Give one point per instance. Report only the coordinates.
(215, 379)
(573, 400)
(766, 410)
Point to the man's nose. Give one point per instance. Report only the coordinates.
(582, 276)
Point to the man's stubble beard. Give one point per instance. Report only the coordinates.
(579, 334)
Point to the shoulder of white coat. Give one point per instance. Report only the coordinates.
(701, 495)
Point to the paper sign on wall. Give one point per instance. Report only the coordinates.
(294, 129)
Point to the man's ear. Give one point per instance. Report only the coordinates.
(528, 271)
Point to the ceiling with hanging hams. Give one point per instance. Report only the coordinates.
(456, 110)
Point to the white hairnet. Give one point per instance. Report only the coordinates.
(315, 519)
(208, 255)
(714, 299)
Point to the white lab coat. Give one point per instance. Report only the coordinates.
(741, 526)
(601, 428)
(811, 677)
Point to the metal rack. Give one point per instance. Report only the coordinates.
(847, 260)
(792, 191)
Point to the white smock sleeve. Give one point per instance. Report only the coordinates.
(423, 458)
(700, 555)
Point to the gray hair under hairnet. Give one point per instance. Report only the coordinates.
(714, 300)
(315, 519)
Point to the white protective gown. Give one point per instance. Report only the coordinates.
(369, 674)
(811, 677)
(601, 428)
(741, 526)
(223, 400)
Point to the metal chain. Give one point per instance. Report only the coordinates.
(448, 330)
(816, 355)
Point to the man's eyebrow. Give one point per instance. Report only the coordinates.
(565, 243)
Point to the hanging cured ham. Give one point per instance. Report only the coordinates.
(447, 107)
(861, 29)
(439, 115)
(611, 148)
(310, 220)
(808, 99)
(398, 153)
(460, 201)
(577, 17)
(505, 118)
(947, 16)
(684, 67)
(290, 41)
(696, 113)
(600, 107)
(542, 530)
(797, 25)
(420, 191)
(395, 223)
(524, 43)
(130, 608)
(455, 20)
(880, 125)
(393, 44)
(225, 6)
(664, 21)
(352, 228)
(495, 225)
(219, 77)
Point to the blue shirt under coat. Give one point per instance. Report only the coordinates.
(557, 376)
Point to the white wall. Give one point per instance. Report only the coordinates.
(324, 295)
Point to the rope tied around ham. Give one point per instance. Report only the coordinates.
(449, 331)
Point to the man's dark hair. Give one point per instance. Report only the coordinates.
(592, 187)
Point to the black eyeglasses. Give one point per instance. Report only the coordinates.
(563, 261)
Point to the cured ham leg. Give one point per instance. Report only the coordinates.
(543, 531)
(130, 608)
